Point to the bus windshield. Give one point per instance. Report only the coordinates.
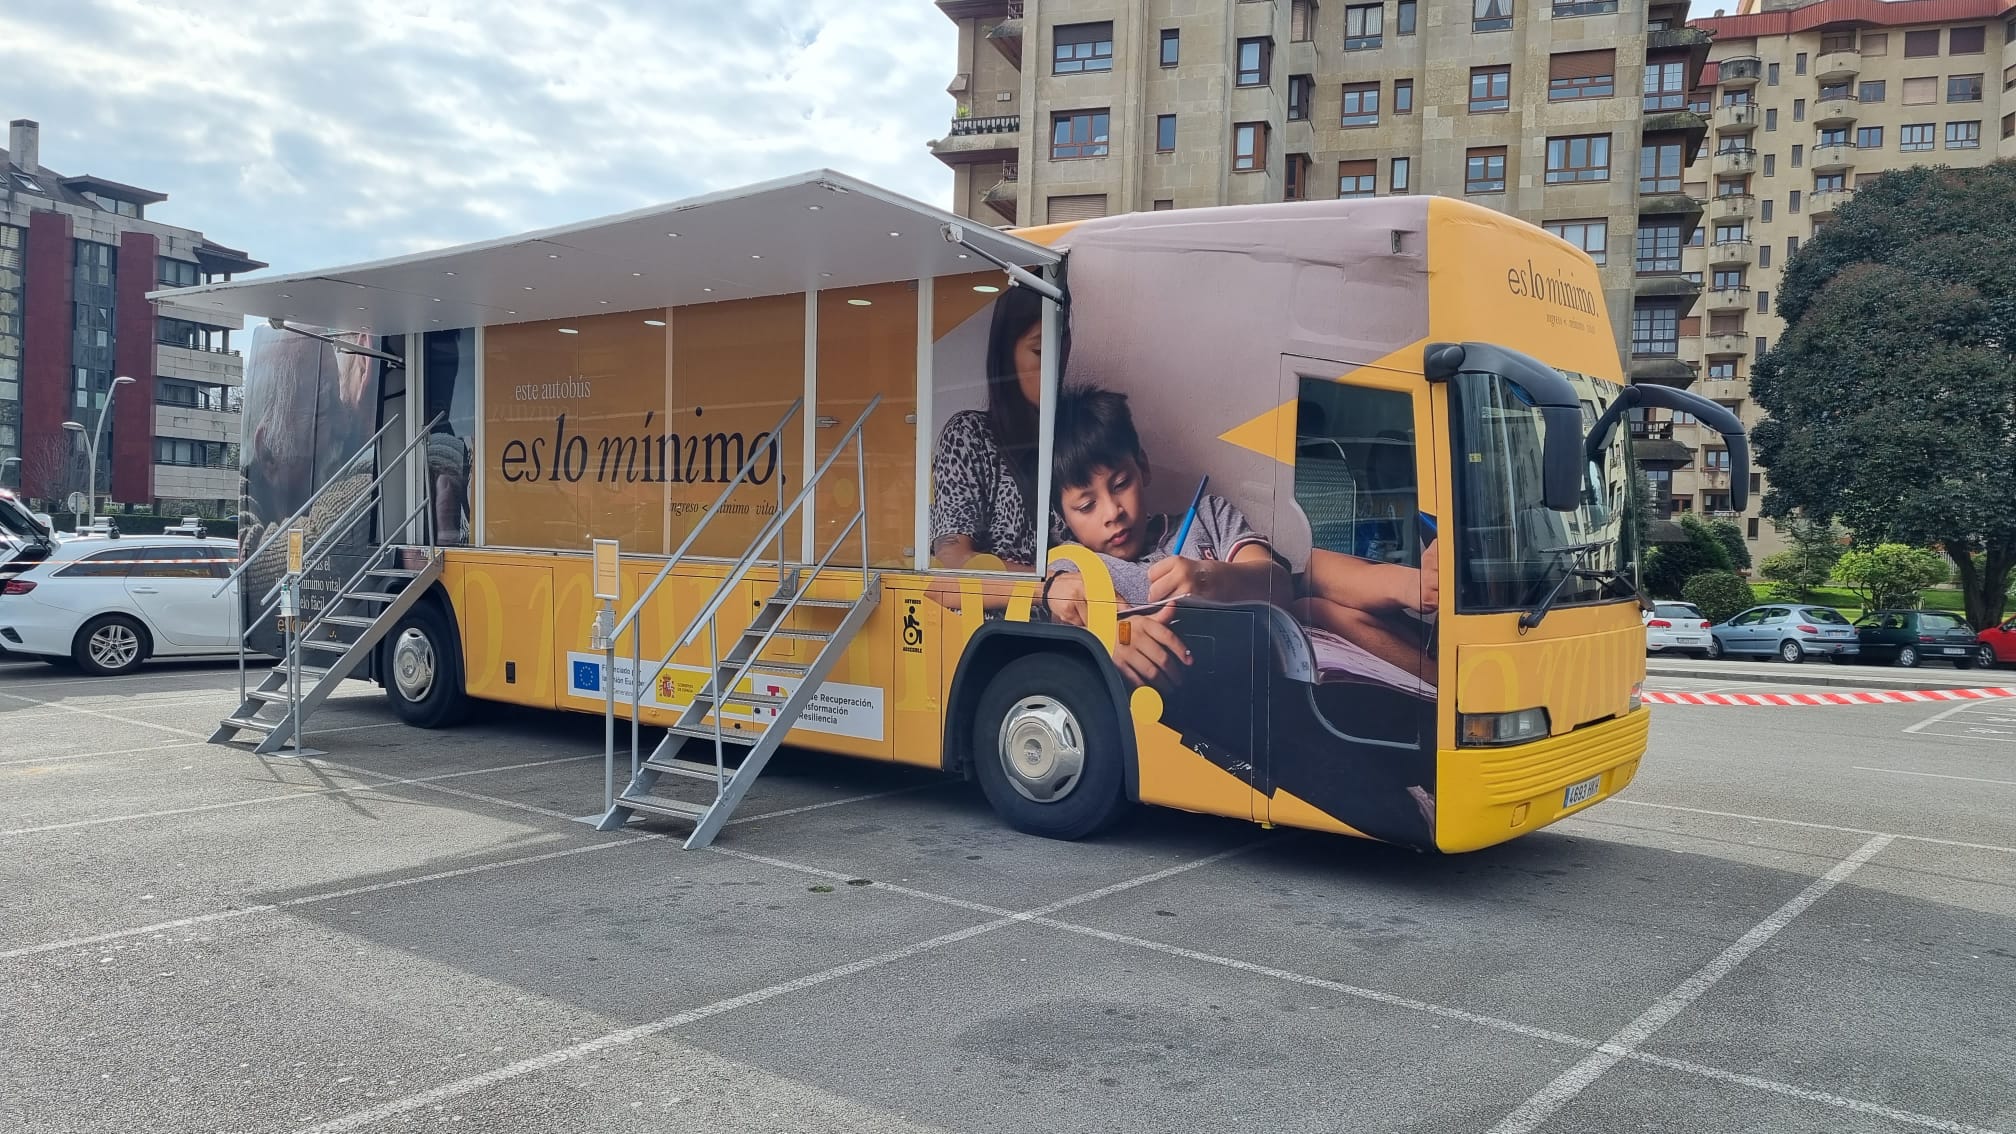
(1516, 550)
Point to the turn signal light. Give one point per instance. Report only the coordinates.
(18, 587)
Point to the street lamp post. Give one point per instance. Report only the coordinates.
(91, 447)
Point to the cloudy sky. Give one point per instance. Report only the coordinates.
(321, 132)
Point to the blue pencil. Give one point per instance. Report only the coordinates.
(1183, 533)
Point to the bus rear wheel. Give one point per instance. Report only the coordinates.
(1047, 750)
(422, 667)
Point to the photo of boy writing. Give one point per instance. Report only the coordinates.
(1102, 474)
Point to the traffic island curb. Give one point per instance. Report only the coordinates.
(1810, 673)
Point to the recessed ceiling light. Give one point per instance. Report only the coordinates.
(654, 322)
(447, 273)
(510, 313)
(437, 300)
(962, 255)
(528, 287)
(985, 289)
(433, 320)
(825, 275)
(706, 289)
(636, 275)
(552, 255)
(860, 303)
(360, 309)
(895, 234)
(284, 295)
(603, 302)
(814, 208)
(569, 331)
(755, 256)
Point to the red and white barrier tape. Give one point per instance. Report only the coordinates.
(1877, 697)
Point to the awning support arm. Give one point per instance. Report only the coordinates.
(341, 346)
(956, 234)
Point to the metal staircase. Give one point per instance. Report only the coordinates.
(727, 693)
(325, 648)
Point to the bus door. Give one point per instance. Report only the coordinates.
(1351, 700)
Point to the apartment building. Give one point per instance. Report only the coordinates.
(1579, 115)
(1809, 100)
(78, 256)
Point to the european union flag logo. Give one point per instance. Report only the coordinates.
(588, 676)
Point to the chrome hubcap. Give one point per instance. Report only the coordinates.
(1042, 749)
(413, 664)
(114, 646)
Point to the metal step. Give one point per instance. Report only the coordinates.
(328, 647)
(751, 699)
(664, 805)
(763, 665)
(253, 724)
(800, 604)
(373, 596)
(349, 620)
(785, 632)
(270, 696)
(393, 573)
(729, 735)
(690, 769)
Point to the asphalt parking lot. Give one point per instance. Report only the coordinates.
(1797, 919)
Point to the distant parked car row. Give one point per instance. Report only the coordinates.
(1793, 632)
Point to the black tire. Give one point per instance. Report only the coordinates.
(1791, 652)
(1984, 656)
(110, 645)
(1033, 689)
(1715, 650)
(1907, 657)
(422, 667)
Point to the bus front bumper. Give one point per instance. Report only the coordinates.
(1485, 796)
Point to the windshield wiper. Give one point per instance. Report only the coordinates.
(1532, 618)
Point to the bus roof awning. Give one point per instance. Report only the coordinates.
(816, 231)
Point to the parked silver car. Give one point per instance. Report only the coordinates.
(1789, 631)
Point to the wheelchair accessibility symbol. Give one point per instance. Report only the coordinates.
(913, 630)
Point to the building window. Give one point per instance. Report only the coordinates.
(2009, 125)
(1771, 75)
(1963, 135)
(1403, 96)
(1963, 88)
(1798, 156)
(1658, 249)
(1491, 15)
(1791, 246)
(1255, 57)
(1249, 147)
(1659, 167)
(1722, 369)
(1967, 41)
(1163, 205)
(1484, 170)
(1875, 90)
(1361, 105)
(1731, 234)
(1665, 86)
(1763, 255)
(1828, 182)
(1798, 110)
(1364, 26)
(1829, 92)
(194, 454)
(1403, 22)
(1087, 206)
(177, 273)
(1732, 187)
(2009, 77)
(1078, 134)
(1770, 118)
(1792, 201)
(1357, 179)
(1799, 63)
(1585, 157)
(1770, 165)
(1490, 89)
(1915, 138)
(1591, 236)
(1763, 303)
(1302, 21)
(1869, 138)
(1766, 215)
(1301, 92)
(1165, 133)
(1834, 137)
(1565, 9)
(1401, 180)
(1296, 185)
(1172, 46)
(1921, 44)
(1581, 74)
(1655, 332)
(1078, 48)
(1874, 44)
(1726, 279)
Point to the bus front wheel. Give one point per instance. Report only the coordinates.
(423, 669)
(1046, 748)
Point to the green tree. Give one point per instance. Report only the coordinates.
(1807, 564)
(1729, 534)
(1892, 395)
(1718, 594)
(1891, 575)
(1670, 565)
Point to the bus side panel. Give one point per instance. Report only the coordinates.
(507, 632)
(919, 672)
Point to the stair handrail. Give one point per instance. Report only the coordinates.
(352, 581)
(692, 534)
(246, 562)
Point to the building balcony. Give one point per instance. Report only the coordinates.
(1727, 344)
(1712, 479)
(1668, 204)
(1824, 202)
(1736, 118)
(1691, 125)
(1833, 159)
(975, 139)
(196, 424)
(1734, 161)
(1732, 254)
(1668, 285)
(1739, 72)
(1841, 110)
(1662, 370)
(1659, 452)
(1724, 389)
(1667, 38)
(1837, 66)
(218, 367)
(1005, 195)
(1732, 207)
(1729, 299)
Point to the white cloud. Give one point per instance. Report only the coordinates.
(318, 132)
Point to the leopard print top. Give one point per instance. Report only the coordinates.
(974, 494)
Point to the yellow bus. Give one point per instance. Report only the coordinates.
(1312, 514)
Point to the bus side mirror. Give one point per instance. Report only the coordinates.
(1563, 468)
(1714, 415)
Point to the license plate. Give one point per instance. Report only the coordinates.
(1582, 792)
(1954, 650)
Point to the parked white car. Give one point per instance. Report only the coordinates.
(110, 604)
(1677, 627)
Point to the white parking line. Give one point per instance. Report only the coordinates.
(1859, 1106)
(306, 793)
(1935, 775)
(163, 675)
(460, 1087)
(1817, 826)
(109, 717)
(113, 752)
(1937, 717)
(1570, 1083)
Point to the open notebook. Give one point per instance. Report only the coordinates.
(1306, 654)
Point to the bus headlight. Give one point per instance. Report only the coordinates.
(1487, 730)
(1637, 695)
